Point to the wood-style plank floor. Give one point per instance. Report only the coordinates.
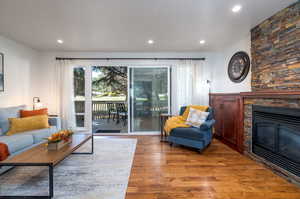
(163, 172)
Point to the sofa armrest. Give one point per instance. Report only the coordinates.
(55, 121)
(207, 125)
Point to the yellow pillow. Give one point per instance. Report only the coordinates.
(18, 125)
(187, 110)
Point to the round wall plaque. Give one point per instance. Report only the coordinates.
(238, 67)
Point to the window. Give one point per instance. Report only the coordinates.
(79, 96)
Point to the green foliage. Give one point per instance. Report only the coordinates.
(109, 81)
(79, 82)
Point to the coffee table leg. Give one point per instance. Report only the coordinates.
(51, 181)
(93, 144)
(87, 153)
(92, 151)
(50, 166)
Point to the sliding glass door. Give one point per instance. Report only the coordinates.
(109, 99)
(120, 99)
(149, 97)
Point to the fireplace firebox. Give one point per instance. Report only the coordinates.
(276, 136)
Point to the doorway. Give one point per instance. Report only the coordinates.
(121, 99)
(109, 99)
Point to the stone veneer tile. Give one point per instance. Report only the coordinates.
(275, 50)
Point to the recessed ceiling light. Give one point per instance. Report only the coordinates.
(236, 8)
(202, 41)
(150, 41)
(60, 41)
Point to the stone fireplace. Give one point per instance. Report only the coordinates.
(275, 87)
(264, 134)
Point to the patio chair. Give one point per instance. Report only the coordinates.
(111, 109)
(121, 113)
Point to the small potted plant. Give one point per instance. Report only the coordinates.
(60, 139)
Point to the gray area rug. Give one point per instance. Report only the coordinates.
(103, 175)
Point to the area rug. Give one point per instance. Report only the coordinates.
(103, 175)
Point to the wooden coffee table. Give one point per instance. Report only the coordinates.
(40, 156)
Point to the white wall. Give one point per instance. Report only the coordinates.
(19, 60)
(220, 80)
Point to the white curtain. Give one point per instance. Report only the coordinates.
(64, 74)
(189, 84)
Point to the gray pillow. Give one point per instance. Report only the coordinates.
(8, 112)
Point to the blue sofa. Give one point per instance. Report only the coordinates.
(194, 137)
(23, 141)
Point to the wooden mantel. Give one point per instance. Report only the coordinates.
(272, 94)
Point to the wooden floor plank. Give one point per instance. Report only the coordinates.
(163, 172)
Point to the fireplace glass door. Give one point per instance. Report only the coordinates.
(265, 135)
(276, 136)
(289, 143)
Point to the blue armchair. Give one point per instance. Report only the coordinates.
(194, 137)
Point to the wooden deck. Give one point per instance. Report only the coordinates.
(110, 126)
(164, 172)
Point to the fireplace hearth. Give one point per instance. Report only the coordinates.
(276, 136)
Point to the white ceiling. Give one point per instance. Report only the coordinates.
(126, 25)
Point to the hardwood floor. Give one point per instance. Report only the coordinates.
(163, 172)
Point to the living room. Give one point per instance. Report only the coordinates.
(150, 99)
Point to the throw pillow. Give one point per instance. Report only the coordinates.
(29, 113)
(18, 125)
(187, 110)
(196, 117)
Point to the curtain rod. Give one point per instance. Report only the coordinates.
(107, 59)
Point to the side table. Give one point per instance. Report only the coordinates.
(163, 118)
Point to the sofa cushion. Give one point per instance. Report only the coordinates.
(29, 113)
(9, 112)
(56, 122)
(53, 129)
(39, 135)
(189, 133)
(17, 142)
(20, 125)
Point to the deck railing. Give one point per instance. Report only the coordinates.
(100, 108)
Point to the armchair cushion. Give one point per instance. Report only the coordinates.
(189, 133)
